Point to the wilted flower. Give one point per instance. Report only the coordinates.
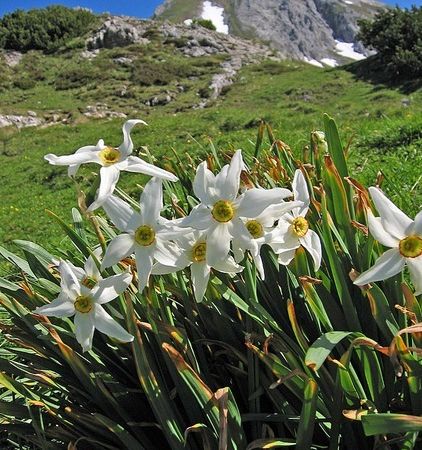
(221, 208)
(403, 235)
(293, 230)
(76, 299)
(112, 160)
(194, 248)
(146, 233)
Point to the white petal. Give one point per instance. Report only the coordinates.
(379, 233)
(111, 287)
(138, 165)
(300, 192)
(152, 201)
(204, 185)
(254, 201)
(387, 265)
(286, 257)
(417, 224)
(230, 186)
(166, 253)
(119, 212)
(119, 248)
(109, 177)
(69, 278)
(78, 271)
(312, 243)
(200, 274)
(127, 145)
(144, 261)
(91, 268)
(228, 266)
(218, 244)
(259, 266)
(415, 269)
(274, 212)
(84, 329)
(71, 171)
(199, 218)
(75, 159)
(394, 221)
(107, 325)
(61, 306)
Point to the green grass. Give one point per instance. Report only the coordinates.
(385, 136)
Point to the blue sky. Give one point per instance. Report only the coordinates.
(138, 8)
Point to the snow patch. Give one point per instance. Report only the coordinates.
(188, 22)
(216, 15)
(346, 49)
(314, 62)
(348, 3)
(329, 62)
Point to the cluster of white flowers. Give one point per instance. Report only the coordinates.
(218, 232)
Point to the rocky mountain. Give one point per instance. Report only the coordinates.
(318, 31)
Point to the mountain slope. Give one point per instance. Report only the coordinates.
(300, 29)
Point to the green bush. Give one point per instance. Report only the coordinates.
(24, 82)
(43, 29)
(205, 23)
(396, 35)
(76, 76)
(149, 73)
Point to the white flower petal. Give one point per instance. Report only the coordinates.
(387, 265)
(312, 244)
(199, 218)
(61, 306)
(286, 257)
(379, 233)
(415, 269)
(84, 329)
(69, 279)
(254, 201)
(218, 244)
(119, 212)
(394, 221)
(109, 177)
(274, 212)
(144, 261)
(259, 266)
(204, 185)
(300, 192)
(109, 288)
(77, 271)
(91, 268)
(138, 165)
(71, 171)
(127, 145)
(167, 253)
(119, 248)
(200, 274)
(152, 201)
(417, 224)
(106, 324)
(229, 186)
(75, 159)
(228, 266)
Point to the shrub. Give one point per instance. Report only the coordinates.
(396, 35)
(24, 82)
(147, 72)
(43, 29)
(76, 76)
(302, 357)
(205, 23)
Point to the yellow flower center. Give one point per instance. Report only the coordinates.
(255, 228)
(300, 226)
(144, 235)
(223, 211)
(109, 155)
(411, 246)
(89, 282)
(83, 304)
(199, 252)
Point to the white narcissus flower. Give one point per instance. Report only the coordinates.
(145, 233)
(89, 276)
(292, 229)
(403, 235)
(218, 215)
(76, 299)
(194, 248)
(112, 160)
(254, 233)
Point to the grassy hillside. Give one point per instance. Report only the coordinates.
(383, 126)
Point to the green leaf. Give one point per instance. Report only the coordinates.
(307, 416)
(390, 423)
